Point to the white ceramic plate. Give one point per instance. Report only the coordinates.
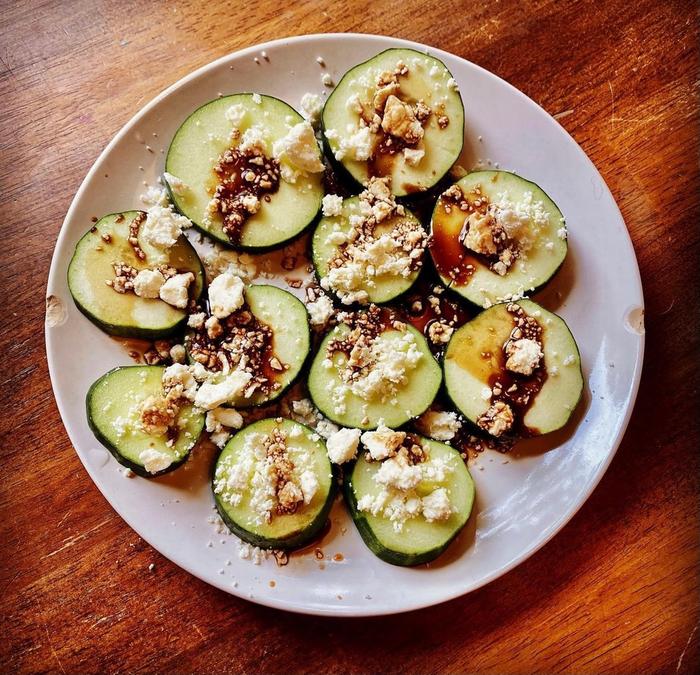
(523, 499)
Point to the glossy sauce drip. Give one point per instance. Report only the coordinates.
(451, 258)
(420, 313)
(518, 391)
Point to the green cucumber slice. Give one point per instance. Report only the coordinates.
(288, 319)
(419, 541)
(238, 500)
(483, 286)
(468, 373)
(113, 407)
(411, 398)
(379, 289)
(204, 136)
(429, 80)
(126, 314)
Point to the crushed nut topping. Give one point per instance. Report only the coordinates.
(245, 176)
(134, 226)
(239, 342)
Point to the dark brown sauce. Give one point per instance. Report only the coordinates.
(372, 322)
(521, 400)
(231, 169)
(382, 161)
(452, 260)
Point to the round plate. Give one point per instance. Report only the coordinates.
(523, 498)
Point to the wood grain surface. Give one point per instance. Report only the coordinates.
(615, 592)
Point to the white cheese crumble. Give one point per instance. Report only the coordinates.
(311, 106)
(226, 294)
(308, 482)
(299, 148)
(561, 233)
(320, 310)
(178, 186)
(569, 360)
(383, 442)
(257, 99)
(147, 283)
(179, 380)
(357, 146)
(342, 445)
(413, 156)
(452, 84)
(523, 356)
(174, 290)
(332, 205)
(440, 425)
(236, 114)
(327, 80)
(155, 460)
(436, 505)
(254, 139)
(162, 227)
(213, 394)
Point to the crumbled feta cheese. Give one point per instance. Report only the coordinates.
(147, 283)
(397, 473)
(413, 156)
(569, 360)
(479, 237)
(309, 485)
(442, 426)
(452, 84)
(213, 394)
(498, 419)
(342, 445)
(436, 505)
(300, 149)
(226, 295)
(311, 106)
(179, 380)
(523, 356)
(561, 233)
(174, 290)
(332, 205)
(178, 353)
(383, 442)
(327, 80)
(257, 99)
(196, 320)
(486, 393)
(162, 227)
(236, 114)
(400, 120)
(155, 460)
(357, 146)
(155, 196)
(320, 310)
(223, 417)
(254, 139)
(178, 186)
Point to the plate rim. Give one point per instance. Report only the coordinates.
(371, 609)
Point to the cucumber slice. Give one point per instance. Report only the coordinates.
(239, 485)
(543, 233)
(113, 408)
(199, 142)
(408, 399)
(285, 315)
(380, 288)
(126, 314)
(418, 541)
(469, 374)
(428, 80)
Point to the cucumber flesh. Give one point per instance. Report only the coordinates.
(537, 225)
(114, 404)
(416, 540)
(195, 149)
(126, 314)
(469, 376)
(286, 317)
(394, 403)
(379, 288)
(427, 80)
(240, 482)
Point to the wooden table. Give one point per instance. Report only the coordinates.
(616, 591)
